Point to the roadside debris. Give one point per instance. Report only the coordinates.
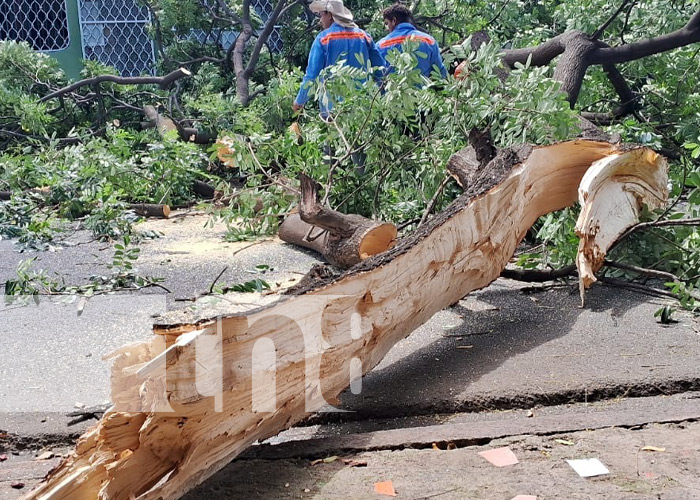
(354, 463)
(565, 442)
(588, 467)
(326, 460)
(47, 455)
(385, 488)
(500, 457)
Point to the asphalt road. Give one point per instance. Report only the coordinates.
(508, 346)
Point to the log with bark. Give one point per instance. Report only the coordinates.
(343, 239)
(200, 391)
(151, 210)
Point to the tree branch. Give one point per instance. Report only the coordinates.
(162, 81)
(688, 34)
(539, 275)
(541, 54)
(597, 34)
(642, 270)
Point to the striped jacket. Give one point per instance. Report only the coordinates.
(426, 44)
(334, 44)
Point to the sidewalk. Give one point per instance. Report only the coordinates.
(447, 464)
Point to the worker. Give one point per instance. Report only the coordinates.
(341, 39)
(398, 21)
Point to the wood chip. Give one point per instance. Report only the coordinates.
(354, 463)
(653, 448)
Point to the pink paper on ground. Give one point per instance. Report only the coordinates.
(500, 457)
(525, 497)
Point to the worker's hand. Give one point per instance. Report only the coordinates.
(297, 107)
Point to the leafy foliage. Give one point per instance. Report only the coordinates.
(382, 151)
(123, 276)
(94, 181)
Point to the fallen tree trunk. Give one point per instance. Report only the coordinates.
(202, 390)
(344, 240)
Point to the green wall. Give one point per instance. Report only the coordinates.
(71, 57)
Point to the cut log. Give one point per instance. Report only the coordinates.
(151, 210)
(344, 240)
(196, 395)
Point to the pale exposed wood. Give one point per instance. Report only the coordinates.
(226, 151)
(612, 194)
(188, 403)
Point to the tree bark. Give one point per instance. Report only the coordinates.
(199, 392)
(344, 240)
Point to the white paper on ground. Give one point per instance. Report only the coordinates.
(588, 467)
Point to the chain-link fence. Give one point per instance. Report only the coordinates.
(41, 23)
(114, 33)
(263, 8)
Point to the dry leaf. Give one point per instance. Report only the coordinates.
(45, 456)
(564, 442)
(326, 460)
(653, 448)
(354, 463)
(385, 488)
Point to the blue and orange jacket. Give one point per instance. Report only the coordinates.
(426, 45)
(332, 45)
